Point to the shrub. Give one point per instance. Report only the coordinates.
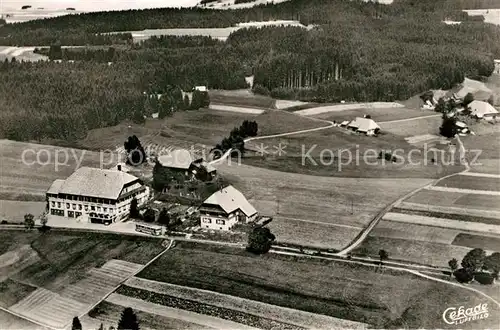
(484, 278)
(463, 275)
(259, 89)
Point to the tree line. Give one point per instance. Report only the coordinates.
(236, 139)
(83, 29)
(357, 52)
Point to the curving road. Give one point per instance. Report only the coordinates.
(362, 236)
(330, 125)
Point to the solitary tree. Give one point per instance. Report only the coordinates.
(76, 325)
(135, 152)
(43, 219)
(29, 221)
(164, 217)
(383, 255)
(468, 99)
(134, 208)
(128, 320)
(474, 260)
(149, 215)
(448, 128)
(260, 240)
(492, 263)
(491, 100)
(453, 263)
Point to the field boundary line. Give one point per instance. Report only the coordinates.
(465, 191)
(178, 313)
(319, 222)
(363, 234)
(228, 152)
(136, 283)
(27, 318)
(483, 175)
(408, 119)
(414, 272)
(124, 280)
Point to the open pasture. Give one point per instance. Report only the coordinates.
(311, 233)
(108, 314)
(242, 98)
(471, 182)
(27, 170)
(322, 109)
(341, 290)
(377, 114)
(256, 309)
(408, 231)
(479, 201)
(354, 155)
(443, 222)
(14, 211)
(412, 127)
(65, 258)
(419, 252)
(434, 197)
(478, 241)
(71, 272)
(345, 201)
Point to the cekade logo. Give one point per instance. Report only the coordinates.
(461, 315)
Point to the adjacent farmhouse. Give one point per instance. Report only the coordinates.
(364, 125)
(181, 161)
(225, 208)
(95, 195)
(483, 110)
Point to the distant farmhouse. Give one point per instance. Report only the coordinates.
(226, 208)
(181, 161)
(483, 110)
(95, 195)
(363, 125)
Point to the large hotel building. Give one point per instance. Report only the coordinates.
(95, 195)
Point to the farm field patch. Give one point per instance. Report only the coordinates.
(433, 197)
(339, 152)
(420, 252)
(242, 98)
(14, 211)
(377, 114)
(461, 214)
(479, 201)
(322, 235)
(428, 125)
(381, 299)
(12, 292)
(471, 182)
(478, 241)
(64, 258)
(345, 107)
(392, 229)
(9, 321)
(30, 176)
(109, 314)
(70, 271)
(442, 222)
(351, 201)
(290, 317)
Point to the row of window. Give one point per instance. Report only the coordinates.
(80, 207)
(217, 221)
(84, 199)
(94, 200)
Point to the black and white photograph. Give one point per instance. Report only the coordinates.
(249, 164)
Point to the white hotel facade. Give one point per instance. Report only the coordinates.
(95, 195)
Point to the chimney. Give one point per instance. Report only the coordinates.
(119, 167)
